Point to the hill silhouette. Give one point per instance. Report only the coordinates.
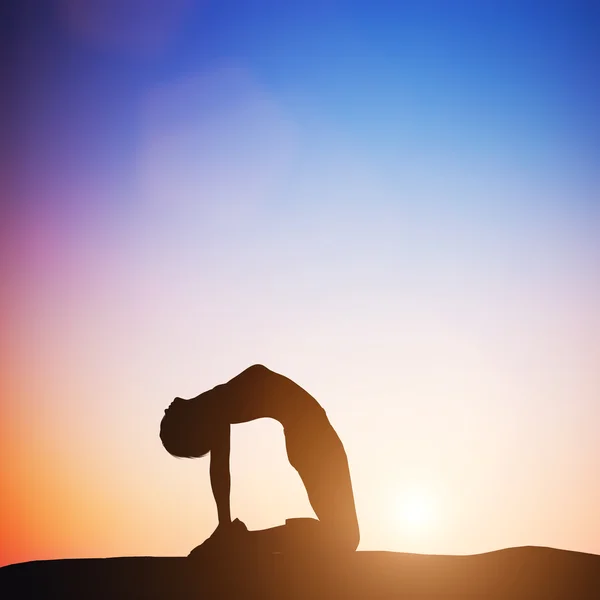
(511, 574)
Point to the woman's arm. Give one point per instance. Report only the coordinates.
(220, 478)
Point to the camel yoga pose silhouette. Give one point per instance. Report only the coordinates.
(192, 428)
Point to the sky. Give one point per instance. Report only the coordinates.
(395, 204)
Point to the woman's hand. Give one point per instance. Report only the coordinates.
(225, 539)
(232, 529)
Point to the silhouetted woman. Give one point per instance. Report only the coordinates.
(192, 428)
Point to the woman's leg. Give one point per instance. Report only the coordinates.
(321, 461)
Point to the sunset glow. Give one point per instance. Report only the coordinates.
(417, 511)
(395, 204)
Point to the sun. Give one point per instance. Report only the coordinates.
(416, 510)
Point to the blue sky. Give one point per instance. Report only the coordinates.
(394, 203)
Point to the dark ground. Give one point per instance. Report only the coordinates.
(515, 573)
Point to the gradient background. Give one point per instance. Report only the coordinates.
(393, 203)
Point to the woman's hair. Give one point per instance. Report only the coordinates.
(183, 434)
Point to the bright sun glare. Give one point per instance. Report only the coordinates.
(417, 510)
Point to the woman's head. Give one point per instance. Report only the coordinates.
(185, 430)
